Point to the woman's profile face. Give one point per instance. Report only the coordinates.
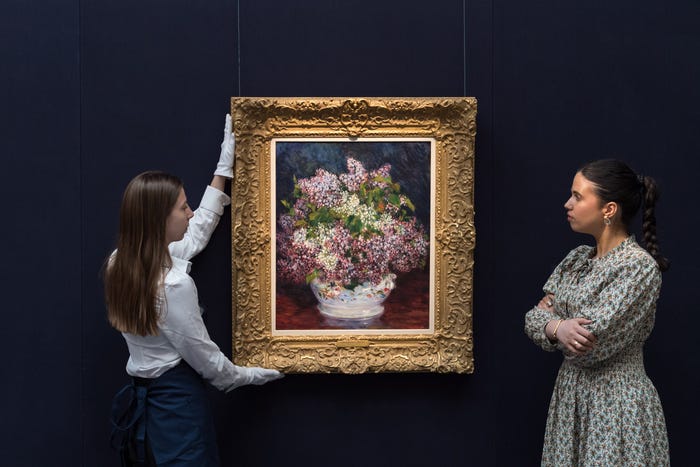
(583, 208)
(178, 220)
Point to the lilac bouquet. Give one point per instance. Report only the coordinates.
(348, 229)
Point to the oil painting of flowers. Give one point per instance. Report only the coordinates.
(352, 234)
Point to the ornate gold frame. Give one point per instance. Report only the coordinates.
(452, 124)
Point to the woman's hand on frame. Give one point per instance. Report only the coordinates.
(224, 167)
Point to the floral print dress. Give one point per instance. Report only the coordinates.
(604, 409)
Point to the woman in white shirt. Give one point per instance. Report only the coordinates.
(163, 417)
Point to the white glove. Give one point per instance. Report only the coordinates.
(253, 375)
(225, 165)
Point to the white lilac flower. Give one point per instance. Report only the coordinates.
(327, 259)
(367, 215)
(349, 203)
(299, 236)
(385, 221)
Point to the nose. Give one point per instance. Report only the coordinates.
(567, 205)
(190, 214)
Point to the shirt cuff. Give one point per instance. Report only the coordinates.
(214, 200)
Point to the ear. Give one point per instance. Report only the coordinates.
(610, 209)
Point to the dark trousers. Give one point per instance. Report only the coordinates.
(165, 421)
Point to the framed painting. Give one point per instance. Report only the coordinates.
(353, 234)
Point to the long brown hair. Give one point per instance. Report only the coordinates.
(134, 272)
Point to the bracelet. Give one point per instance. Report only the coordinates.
(554, 334)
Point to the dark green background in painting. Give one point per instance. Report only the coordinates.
(410, 166)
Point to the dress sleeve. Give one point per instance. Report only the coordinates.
(184, 328)
(624, 310)
(537, 318)
(201, 226)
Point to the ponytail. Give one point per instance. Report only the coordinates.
(650, 195)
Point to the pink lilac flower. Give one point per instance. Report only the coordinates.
(382, 172)
(322, 190)
(294, 264)
(357, 174)
(386, 244)
(301, 208)
(285, 224)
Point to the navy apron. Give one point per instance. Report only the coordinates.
(165, 421)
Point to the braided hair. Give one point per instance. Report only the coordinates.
(615, 182)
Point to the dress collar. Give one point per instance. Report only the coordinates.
(614, 252)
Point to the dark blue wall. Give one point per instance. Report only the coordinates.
(94, 92)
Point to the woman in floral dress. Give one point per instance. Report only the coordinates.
(598, 310)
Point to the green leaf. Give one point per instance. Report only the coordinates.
(409, 203)
(375, 231)
(324, 215)
(354, 225)
(311, 276)
(321, 216)
(335, 215)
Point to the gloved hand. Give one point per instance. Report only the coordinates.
(225, 165)
(253, 375)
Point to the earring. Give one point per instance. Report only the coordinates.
(607, 221)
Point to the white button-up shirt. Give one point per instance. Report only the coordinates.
(182, 334)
